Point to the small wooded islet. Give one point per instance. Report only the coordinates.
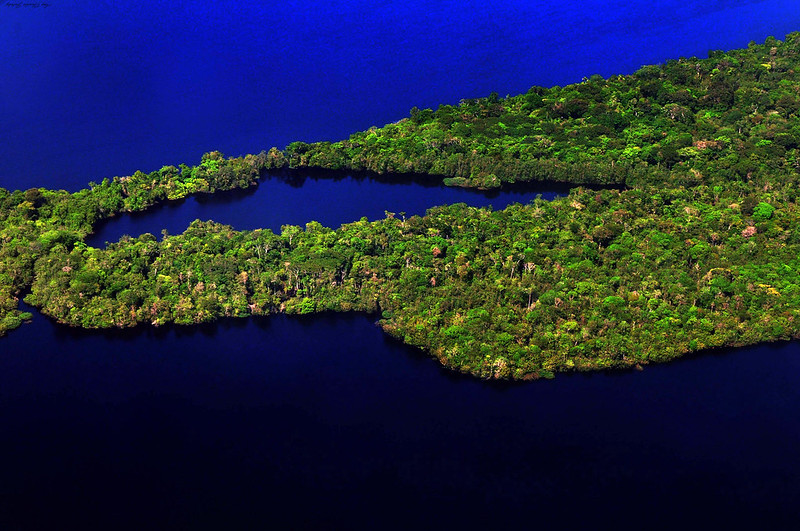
(695, 244)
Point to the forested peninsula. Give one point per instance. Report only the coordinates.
(697, 247)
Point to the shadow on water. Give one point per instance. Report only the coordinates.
(312, 323)
(298, 178)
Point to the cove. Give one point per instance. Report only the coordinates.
(327, 197)
(324, 422)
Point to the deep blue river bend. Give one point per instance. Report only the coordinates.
(324, 422)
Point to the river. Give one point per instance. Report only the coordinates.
(324, 422)
(299, 198)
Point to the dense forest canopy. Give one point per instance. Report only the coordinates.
(732, 116)
(698, 249)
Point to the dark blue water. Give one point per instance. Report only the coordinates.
(300, 198)
(96, 89)
(324, 422)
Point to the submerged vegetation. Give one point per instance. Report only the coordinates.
(699, 250)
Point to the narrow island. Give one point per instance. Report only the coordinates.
(697, 247)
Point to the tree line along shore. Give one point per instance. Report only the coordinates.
(697, 247)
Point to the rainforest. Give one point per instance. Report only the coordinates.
(680, 234)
